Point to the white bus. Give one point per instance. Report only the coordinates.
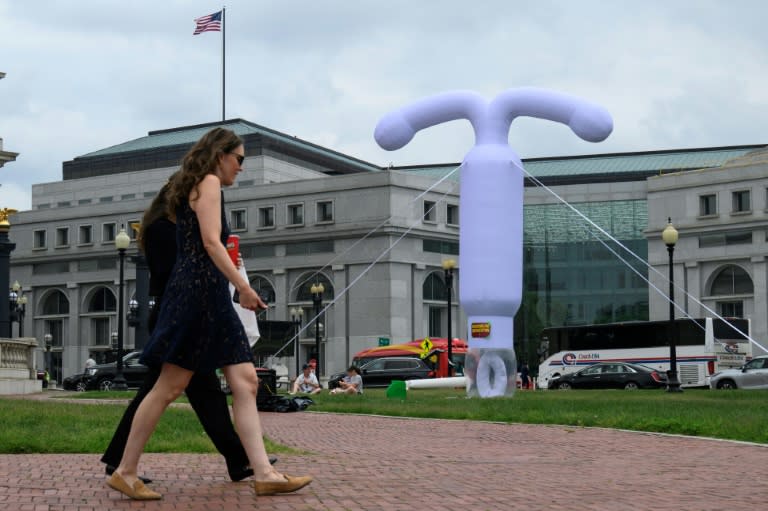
(704, 347)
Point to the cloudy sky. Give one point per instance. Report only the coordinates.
(87, 74)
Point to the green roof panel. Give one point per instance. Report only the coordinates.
(190, 134)
(657, 162)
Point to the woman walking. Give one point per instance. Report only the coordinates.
(198, 329)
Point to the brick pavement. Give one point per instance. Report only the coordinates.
(379, 463)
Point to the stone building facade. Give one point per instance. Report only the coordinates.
(721, 215)
(375, 237)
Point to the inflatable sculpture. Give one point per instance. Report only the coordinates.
(491, 211)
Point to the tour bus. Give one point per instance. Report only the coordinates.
(704, 347)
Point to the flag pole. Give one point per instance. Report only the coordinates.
(223, 62)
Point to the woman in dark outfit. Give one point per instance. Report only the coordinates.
(197, 328)
(158, 242)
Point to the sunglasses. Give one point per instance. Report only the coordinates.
(240, 158)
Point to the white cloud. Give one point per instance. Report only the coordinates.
(96, 73)
(15, 196)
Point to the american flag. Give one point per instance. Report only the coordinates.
(210, 23)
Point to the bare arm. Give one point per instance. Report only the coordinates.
(207, 207)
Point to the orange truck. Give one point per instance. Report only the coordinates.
(435, 355)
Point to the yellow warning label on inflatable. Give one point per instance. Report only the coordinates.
(481, 329)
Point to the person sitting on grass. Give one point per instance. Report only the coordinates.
(351, 384)
(306, 382)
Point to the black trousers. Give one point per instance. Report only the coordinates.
(210, 405)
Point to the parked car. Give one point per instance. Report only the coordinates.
(75, 382)
(381, 371)
(611, 375)
(102, 376)
(752, 375)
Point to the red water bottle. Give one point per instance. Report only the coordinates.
(233, 247)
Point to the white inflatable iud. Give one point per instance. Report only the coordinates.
(491, 211)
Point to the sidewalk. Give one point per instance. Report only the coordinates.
(379, 463)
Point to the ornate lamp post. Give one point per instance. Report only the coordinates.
(17, 303)
(20, 312)
(122, 241)
(317, 291)
(48, 340)
(133, 313)
(448, 267)
(296, 314)
(670, 237)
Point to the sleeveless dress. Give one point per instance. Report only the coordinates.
(197, 328)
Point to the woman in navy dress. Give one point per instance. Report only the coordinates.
(198, 328)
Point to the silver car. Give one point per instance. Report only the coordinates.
(752, 375)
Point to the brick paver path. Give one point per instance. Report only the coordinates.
(379, 463)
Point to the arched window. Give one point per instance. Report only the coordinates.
(102, 300)
(55, 303)
(264, 288)
(434, 288)
(304, 293)
(731, 280)
(322, 324)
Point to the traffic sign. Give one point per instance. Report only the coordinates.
(426, 347)
(383, 341)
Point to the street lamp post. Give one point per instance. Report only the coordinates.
(48, 339)
(448, 267)
(12, 297)
(133, 313)
(296, 314)
(20, 312)
(670, 237)
(122, 241)
(317, 291)
(17, 303)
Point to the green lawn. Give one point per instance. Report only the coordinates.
(57, 427)
(737, 415)
(110, 394)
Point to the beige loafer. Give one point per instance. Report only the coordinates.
(138, 492)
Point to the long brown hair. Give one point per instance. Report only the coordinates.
(200, 161)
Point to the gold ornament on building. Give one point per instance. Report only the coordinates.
(4, 214)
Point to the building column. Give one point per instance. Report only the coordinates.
(78, 353)
(760, 316)
(282, 294)
(421, 323)
(340, 340)
(694, 286)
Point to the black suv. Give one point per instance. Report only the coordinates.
(102, 376)
(381, 371)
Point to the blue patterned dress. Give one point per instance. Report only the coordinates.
(197, 328)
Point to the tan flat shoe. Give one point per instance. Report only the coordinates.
(291, 484)
(138, 492)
